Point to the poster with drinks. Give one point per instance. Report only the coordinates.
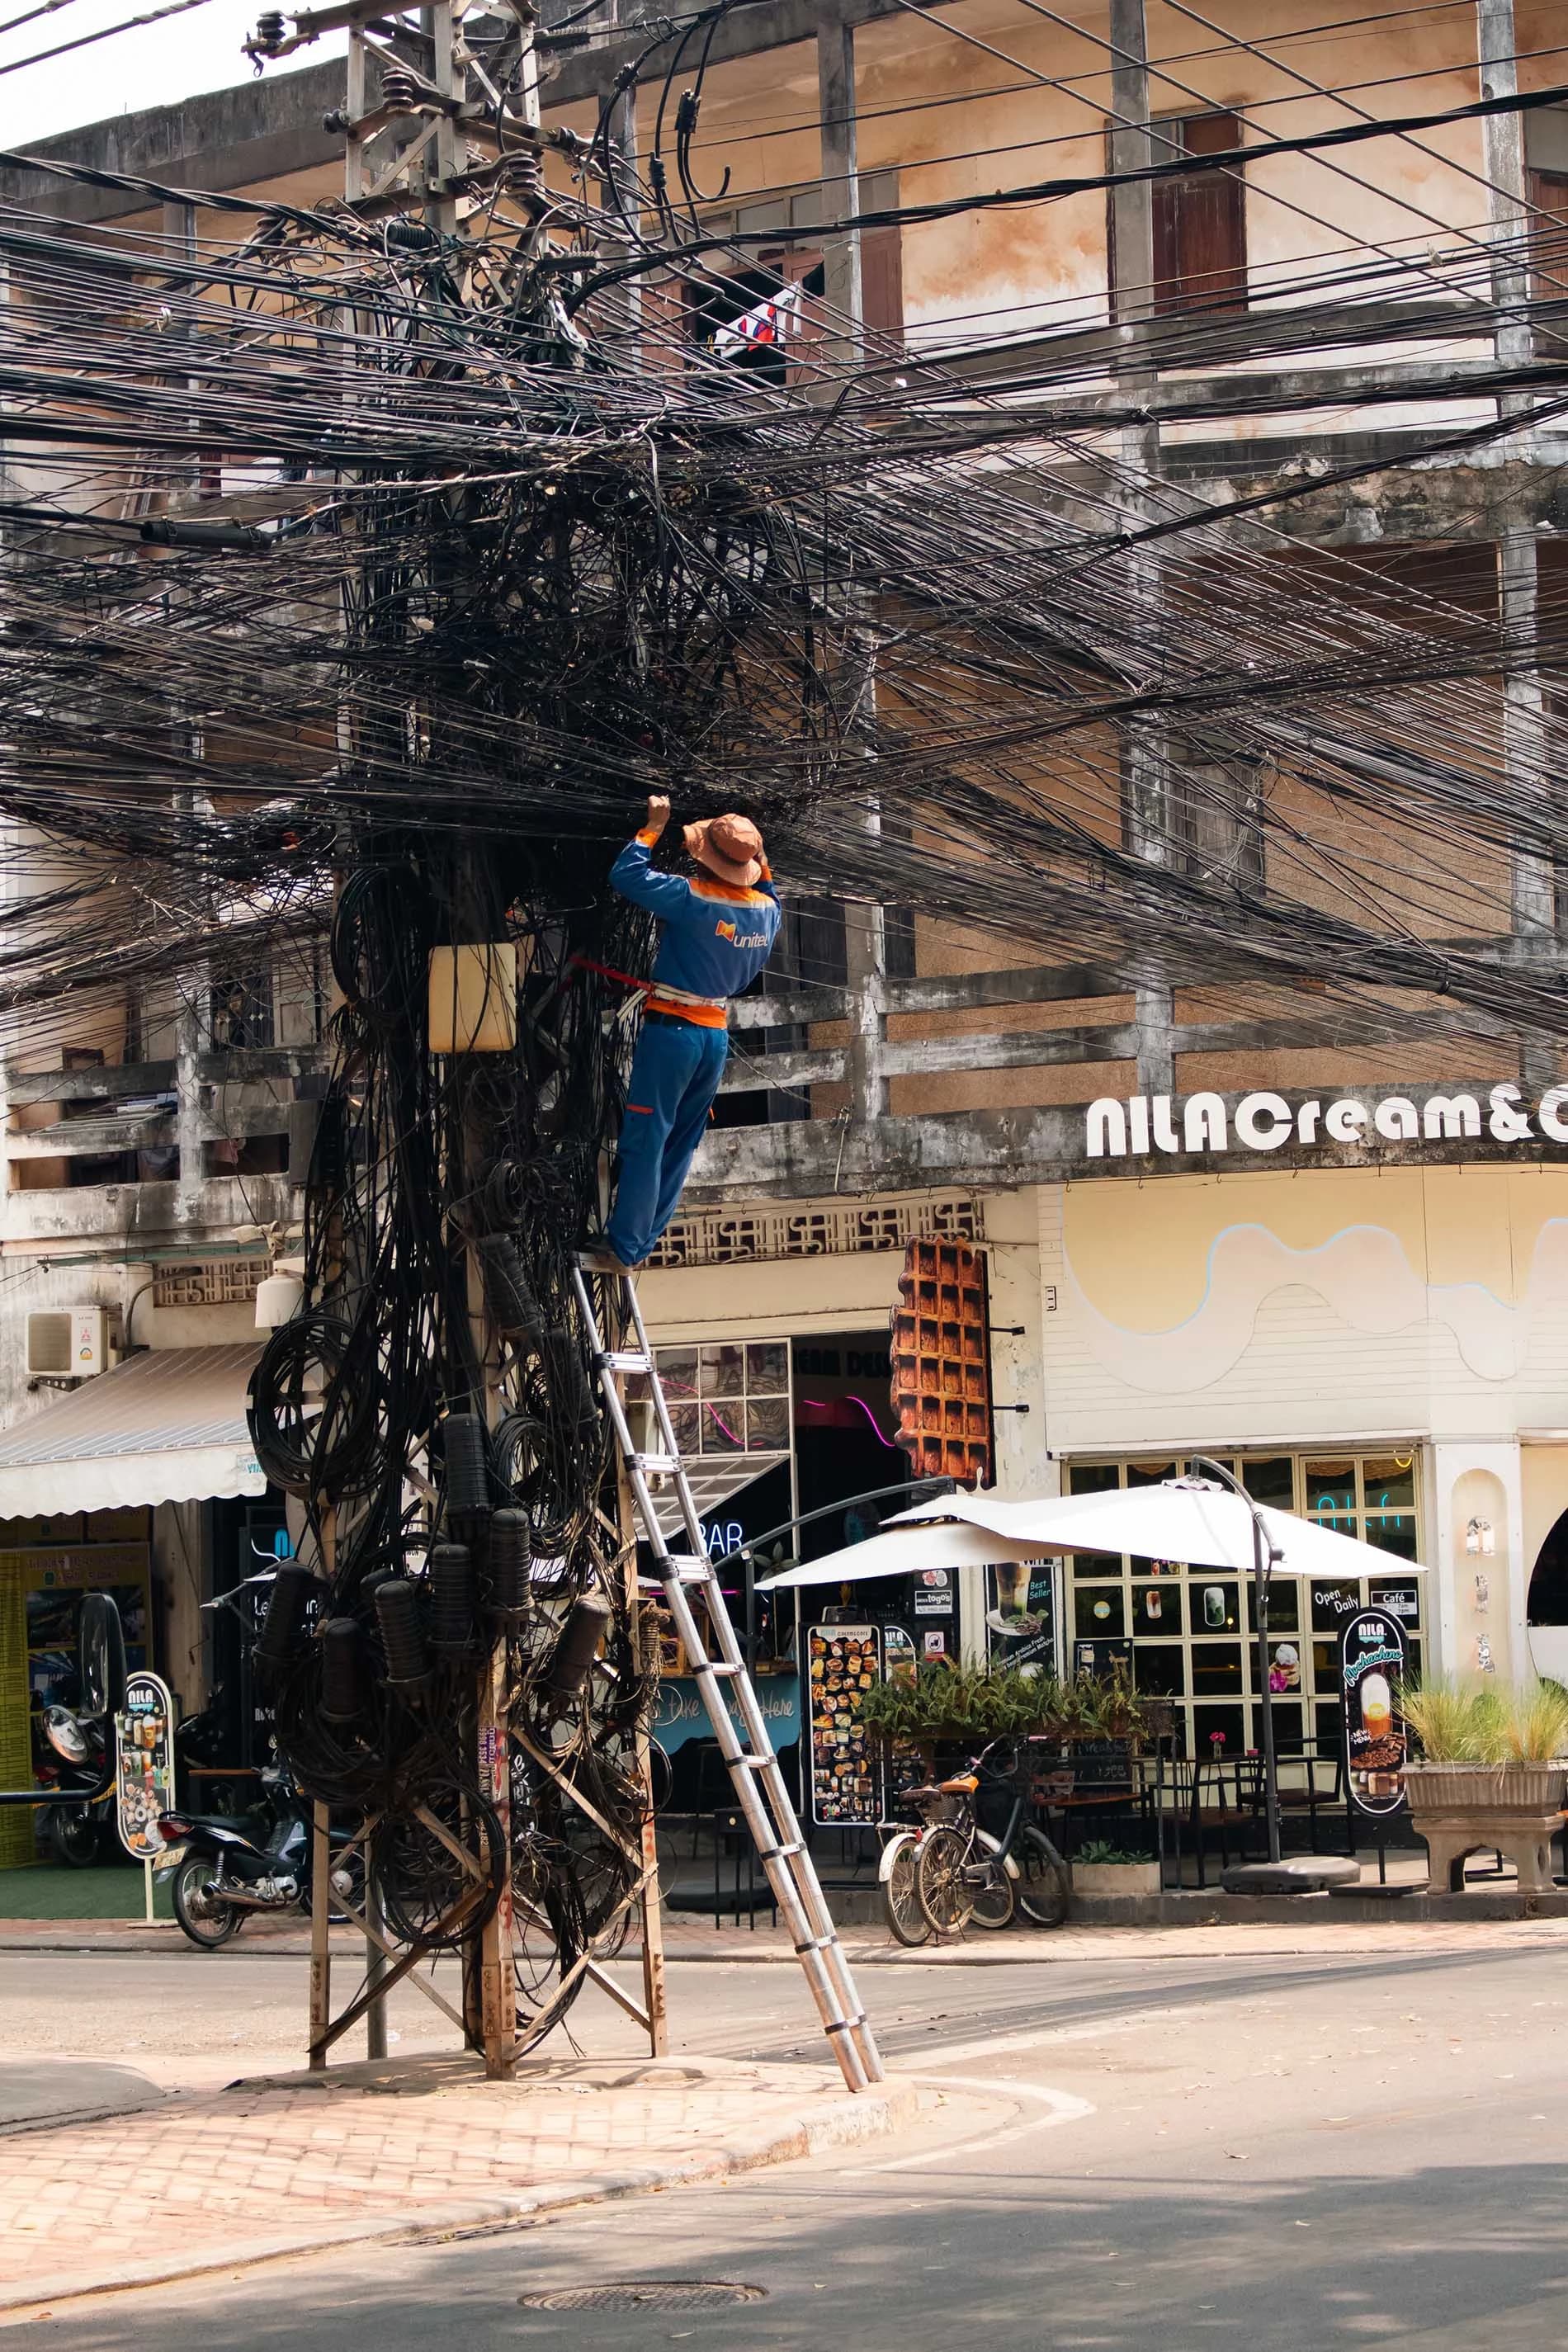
(143, 1764)
(1372, 1667)
(843, 1663)
(1021, 1613)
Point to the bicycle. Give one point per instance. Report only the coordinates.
(899, 1865)
(964, 1873)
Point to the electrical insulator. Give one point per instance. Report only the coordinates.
(399, 91)
(269, 31)
(451, 1599)
(397, 1614)
(285, 1614)
(510, 1566)
(468, 1476)
(525, 173)
(587, 1623)
(343, 1669)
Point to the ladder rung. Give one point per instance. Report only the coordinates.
(716, 1666)
(778, 1853)
(625, 1360)
(752, 1763)
(814, 1943)
(686, 1572)
(848, 2024)
(654, 1465)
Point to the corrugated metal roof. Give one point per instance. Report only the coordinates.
(169, 1397)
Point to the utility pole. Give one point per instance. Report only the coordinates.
(412, 106)
(1144, 751)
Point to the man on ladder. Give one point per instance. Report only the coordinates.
(718, 929)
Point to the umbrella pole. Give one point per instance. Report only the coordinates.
(1263, 1557)
(1263, 1554)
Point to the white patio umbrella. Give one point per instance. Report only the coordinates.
(1190, 1519)
(905, 1550)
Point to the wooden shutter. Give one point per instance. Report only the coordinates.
(1200, 224)
(882, 281)
(1548, 194)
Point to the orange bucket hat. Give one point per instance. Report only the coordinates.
(730, 846)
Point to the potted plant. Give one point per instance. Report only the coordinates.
(1491, 1775)
(1102, 1867)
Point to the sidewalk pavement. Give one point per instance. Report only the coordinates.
(401, 2150)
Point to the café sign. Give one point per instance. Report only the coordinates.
(1203, 1125)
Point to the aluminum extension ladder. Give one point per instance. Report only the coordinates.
(745, 1746)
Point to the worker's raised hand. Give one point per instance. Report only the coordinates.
(657, 812)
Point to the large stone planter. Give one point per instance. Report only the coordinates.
(1115, 1878)
(1465, 1808)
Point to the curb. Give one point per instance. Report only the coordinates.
(842, 2122)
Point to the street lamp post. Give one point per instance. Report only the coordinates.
(1264, 1555)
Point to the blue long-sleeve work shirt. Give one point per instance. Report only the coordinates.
(716, 936)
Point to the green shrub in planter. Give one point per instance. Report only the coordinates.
(1458, 1722)
(942, 1706)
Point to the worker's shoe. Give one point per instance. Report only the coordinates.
(600, 1259)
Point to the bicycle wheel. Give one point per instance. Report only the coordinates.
(1042, 1888)
(900, 1894)
(944, 1898)
(994, 1896)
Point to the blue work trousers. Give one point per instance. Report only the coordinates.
(675, 1076)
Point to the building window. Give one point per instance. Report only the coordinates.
(728, 1396)
(1200, 223)
(1193, 1631)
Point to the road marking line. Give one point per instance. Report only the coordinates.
(1093, 2030)
(1064, 2109)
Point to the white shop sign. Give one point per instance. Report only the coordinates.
(1201, 1124)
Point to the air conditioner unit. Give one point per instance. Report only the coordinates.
(68, 1343)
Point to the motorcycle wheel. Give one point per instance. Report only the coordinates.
(205, 1921)
(73, 1836)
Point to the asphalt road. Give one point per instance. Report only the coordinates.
(1270, 2154)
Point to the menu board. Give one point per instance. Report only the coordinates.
(844, 1662)
(143, 1764)
(1371, 1666)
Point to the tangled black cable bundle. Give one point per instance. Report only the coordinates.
(513, 549)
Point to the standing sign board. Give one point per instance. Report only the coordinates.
(1372, 1667)
(844, 1662)
(143, 1764)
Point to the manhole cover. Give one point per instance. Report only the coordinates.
(644, 2294)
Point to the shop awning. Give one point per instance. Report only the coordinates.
(167, 1427)
(716, 1479)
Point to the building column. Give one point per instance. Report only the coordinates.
(865, 925)
(843, 287)
(1534, 880)
(1144, 753)
(621, 140)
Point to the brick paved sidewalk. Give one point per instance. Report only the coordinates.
(290, 2163)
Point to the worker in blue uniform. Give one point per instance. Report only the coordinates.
(718, 926)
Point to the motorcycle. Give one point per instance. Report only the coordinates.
(76, 1759)
(221, 1876)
